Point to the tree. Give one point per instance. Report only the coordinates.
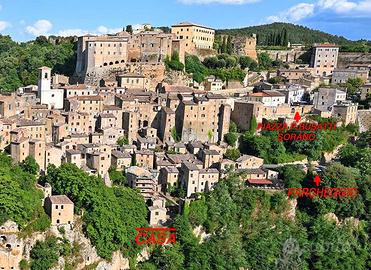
(264, 61)
(129, 29)
(30, 165)
(232, 127)
(168, 257)
(45, 254)
(353, 85)
(117, 177)
(174, 134)
(198, 212)
(338, 244)
(123, 140)
(229, 46)
(108, 226)
(245, 61)
(20, 201)
(232, 154)
(253, 125)
(174, 62)
(231, 138)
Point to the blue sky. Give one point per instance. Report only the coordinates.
(25, 19)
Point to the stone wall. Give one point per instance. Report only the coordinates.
(154, 72)
(346, 58)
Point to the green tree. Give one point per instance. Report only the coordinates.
(353, 85)
(117, 177)
(245, 61)
(45, 254)
(198, 212)
(229, 45)
(123, 140)
(30, 165)
(168, 257)
(253, 125)
(264, 61)
(231, 138)
(129, 29)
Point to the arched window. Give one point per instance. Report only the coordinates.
(105, 64)
(117, 62)
(110, 63)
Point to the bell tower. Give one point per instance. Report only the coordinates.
(44, 80)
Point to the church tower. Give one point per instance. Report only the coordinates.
(44, 80)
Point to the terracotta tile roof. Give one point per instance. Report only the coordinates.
(259, 181)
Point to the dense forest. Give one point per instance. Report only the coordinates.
(278, 34)
(19, 62)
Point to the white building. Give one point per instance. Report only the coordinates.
(325, 98)
(294, 93)
(51, 97)
(267, 97)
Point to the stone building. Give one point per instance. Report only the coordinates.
(324, 98)
(195, 36)
(197, 180)
(203, 118)
(60, 209)
(344, 74)
(365, 91)
(143, 180)
(169, 176)
(7, 105)
(324, 59)
(346, 111)
(249, 162)
(157, 211)
(245, 46)
(132, 81)
(121, 160)
(97, 55)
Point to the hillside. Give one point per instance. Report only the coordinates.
(296, 34)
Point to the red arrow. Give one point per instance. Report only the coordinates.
(317, 180)
(297, 117)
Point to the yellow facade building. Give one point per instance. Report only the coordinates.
(195, 36)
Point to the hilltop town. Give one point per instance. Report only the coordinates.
(142, 112)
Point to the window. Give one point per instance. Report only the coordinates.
(56, 207)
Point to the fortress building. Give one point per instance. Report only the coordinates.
(97, 55)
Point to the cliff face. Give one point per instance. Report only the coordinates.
(14, 248)
(346, 58)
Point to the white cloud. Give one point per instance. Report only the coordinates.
(105, 30)
(41, 27)
(72, 32)
(80, 32)
(4, 25)
(294, 14)
(225, 2)
(304, 10)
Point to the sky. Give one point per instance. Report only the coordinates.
(25, 19)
